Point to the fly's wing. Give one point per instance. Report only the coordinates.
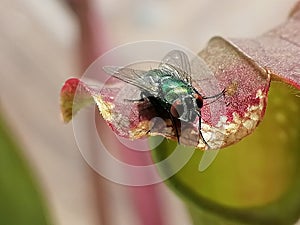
(207, 159)
(203, 76)
(136, 78)
(176, 63)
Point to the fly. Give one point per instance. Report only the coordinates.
(169, 89)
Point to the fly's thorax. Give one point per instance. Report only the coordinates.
(156, 74)
(172, 89)
(153, 78)
(180, 95)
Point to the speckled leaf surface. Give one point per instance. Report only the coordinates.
(243, 68)
(278, 50)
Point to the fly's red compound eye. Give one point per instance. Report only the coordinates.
(199, 101)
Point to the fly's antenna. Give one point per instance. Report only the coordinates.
(222, 93)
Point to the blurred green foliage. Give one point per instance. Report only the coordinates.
(255, 181)
(20, 199)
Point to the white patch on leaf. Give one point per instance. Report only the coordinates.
(226, 133)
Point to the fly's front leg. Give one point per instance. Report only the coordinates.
(217, 96)
(200, 132)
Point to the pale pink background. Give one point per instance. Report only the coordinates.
(37, 54)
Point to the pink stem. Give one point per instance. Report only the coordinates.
(92, 44)
(146, 198)
(89, 50)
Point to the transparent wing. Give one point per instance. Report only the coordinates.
(203, 76)
(137, 78)
(207, 159)
(177, 64)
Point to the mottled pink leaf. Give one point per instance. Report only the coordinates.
(244, 68)
(278, 50)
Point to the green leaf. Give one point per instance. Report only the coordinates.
(20, 199)
(253, 182)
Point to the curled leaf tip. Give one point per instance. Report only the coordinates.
(243, 68)
(68, 106)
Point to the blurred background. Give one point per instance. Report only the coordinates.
(42, 43)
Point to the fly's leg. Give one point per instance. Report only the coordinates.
(134, 100)
(222, 93)
(200, 132)
(163, 110)
(175, 126)
(216, 97)
(173, 123)
(143, 96)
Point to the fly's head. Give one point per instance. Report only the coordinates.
(199, 100)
